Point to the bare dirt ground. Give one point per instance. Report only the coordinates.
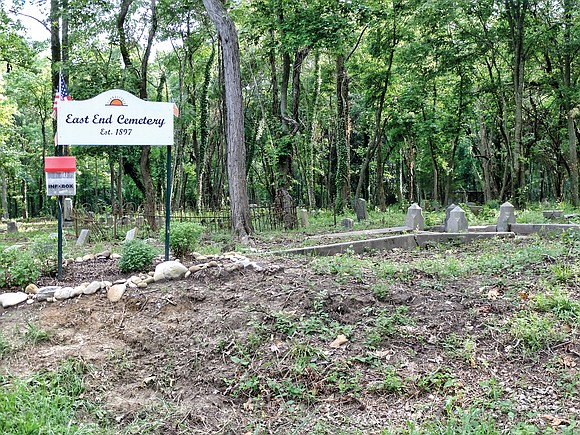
(251, 352)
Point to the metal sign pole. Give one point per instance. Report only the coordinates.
(59, 274)
(168, 203)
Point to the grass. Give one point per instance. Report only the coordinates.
(47, 402)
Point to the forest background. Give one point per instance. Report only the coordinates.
(391, 101)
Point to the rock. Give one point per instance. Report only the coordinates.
(63, 293)
(31, 289)
(30, 301)
(120, 281)
(115, 292)
(231, 267)
(213, 264)
(106, 284)
(104, 254)
(93, 287)
(187, 274)
(88, 257)
(11, 299)
(131, 284)
(149, 280)
(194, 268)
(135, 279)
(78, 290)
(45, 293)
(79, 260)
(115, 256)
(142, 284)
(169, 270)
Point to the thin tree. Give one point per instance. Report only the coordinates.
(236, 147)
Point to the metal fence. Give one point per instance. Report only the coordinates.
(107, 225)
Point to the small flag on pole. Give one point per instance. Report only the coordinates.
(175, 109)
(61, 95)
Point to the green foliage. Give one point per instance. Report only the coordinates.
(559, 303)
(45, 400)
(24, 270)
(136, 256)
(184, 237)
(535, 331)
(34, 334)
(5, 347)
(387, 325)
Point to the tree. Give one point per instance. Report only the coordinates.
(236, 147)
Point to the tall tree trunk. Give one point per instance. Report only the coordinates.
(311, 139)
(342, 136)
(568, 105)
(236, 150)
(516, 13)
(5, 214)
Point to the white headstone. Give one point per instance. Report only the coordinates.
(457, 222)
(82, 237)
(507, 216)
(130, 235)
(67, 209)
(414, 218)
(447, 214)
(303, 217)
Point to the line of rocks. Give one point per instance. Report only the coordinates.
(167, 270)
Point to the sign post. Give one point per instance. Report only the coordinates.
(60, 181)
(117, 117)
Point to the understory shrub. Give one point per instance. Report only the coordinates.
(184, 237)
(136, 256)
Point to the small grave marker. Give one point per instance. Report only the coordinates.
(507, 216)
(360, 207)
(12, 227)
(303, 217)
(457, 222)
(82, 237)
(414, 218)
(347, 223)
(447, 215)
(130, 235)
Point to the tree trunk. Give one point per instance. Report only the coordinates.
(516, 14)
(342, 136)
(5, 214)
(236, 151)
(568, 106)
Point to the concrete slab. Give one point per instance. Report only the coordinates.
(362, 233)
(404, 241)
(526, 229)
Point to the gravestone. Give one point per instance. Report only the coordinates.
(360, 207)
(12, 227)
(553, 214)
(507, 216)
(414, 218)
(447, 214)
(82, 237)
(110, 221)
(457, 222)
(139, 221)
(303, 217)
(347, 223)
(67, 209)
(130, 235)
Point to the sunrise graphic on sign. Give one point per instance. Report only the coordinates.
(116, 102)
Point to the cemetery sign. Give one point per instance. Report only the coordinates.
(115, 117)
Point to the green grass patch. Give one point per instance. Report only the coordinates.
(46, 403)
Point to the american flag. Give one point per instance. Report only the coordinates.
(61, 95)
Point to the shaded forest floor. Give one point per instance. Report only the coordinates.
(447, 339)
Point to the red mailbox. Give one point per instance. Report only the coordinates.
(60, 175)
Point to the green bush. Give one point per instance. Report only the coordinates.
(184, 237)
(18, 268)
(136, 256)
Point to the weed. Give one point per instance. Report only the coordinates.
(440, 379)
(381, 291)
(5, 347)
(535, 331)
(345, 266)
(387, 325)
(136, 256)
(461, 347)
(184, 237)
(45, 400)
(34, 334)
(559, 303)
(390, 382)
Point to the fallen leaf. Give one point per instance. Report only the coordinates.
(339, 341)
(555, 421)
(493, 294)
(524, 296)
(567, 361)
(248, 406)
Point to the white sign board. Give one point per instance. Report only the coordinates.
(61, 183)
(114, 117)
